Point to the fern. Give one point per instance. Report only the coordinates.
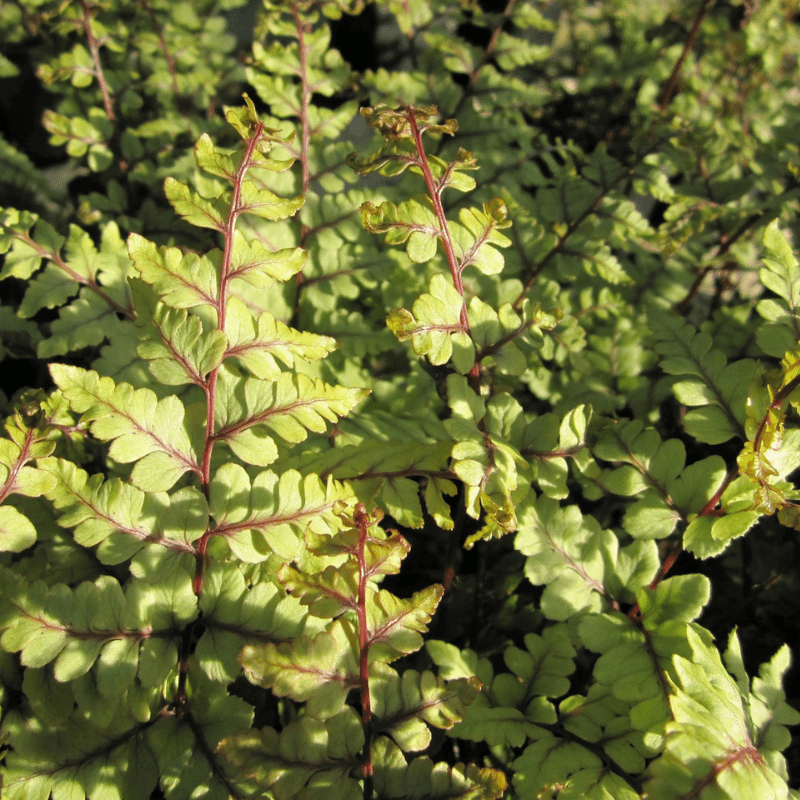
(416, 426)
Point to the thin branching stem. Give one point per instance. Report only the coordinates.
(362, 521)
(162, 43)
(672, 83)
(94, 48)
(575, 224)
(434, 192)
(221, 304)
(487, 54)
(724, 246)
(780, 398)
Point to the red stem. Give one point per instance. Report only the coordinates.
(211, 385)
(362, 520)
(780, 397)
(435, 193)
(667, 565)
(492, 44)
(13, 472)
(710, 506)
(573, 225)
(726, 242)
(677, 547)
(669, 89)
(487, 53)
(162, 42)
(94, 47)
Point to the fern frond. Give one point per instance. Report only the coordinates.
(140, 427)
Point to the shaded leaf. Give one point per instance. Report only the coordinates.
(421, 778)
(309, 757)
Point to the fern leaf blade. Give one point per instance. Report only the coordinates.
(140, 427)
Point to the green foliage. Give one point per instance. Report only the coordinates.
(315, 331)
